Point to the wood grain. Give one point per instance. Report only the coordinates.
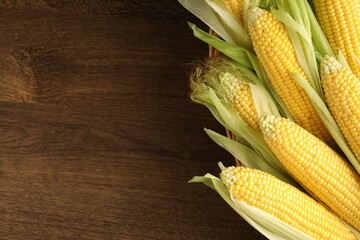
(98, 135)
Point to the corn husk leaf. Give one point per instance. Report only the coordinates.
(261, 101)
(303, 47)
(300, 39)
(215, 14)
(342, 60)
(231, 23)
(246, 7)
(356, 59)
(354, 231)
(225, 114)
(206, 14)
(268, 225)
(233, 51)
(250, 158)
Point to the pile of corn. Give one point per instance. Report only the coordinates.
(286, 87)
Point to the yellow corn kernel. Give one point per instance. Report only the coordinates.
(342, 95)
(237, 8)
(276, 53)
(282, 200)
(340, 21)
(317, 167)
(237, 91)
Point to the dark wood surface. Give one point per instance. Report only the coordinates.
(98, 135)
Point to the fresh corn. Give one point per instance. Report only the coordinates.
(230, 84)
(340, 21)
(237, 91)
(287, 203)
(316, 166)
(342, 95)
(276, 53)
(236, 7)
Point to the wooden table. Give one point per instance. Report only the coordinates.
(98, 135)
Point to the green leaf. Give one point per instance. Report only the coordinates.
(215, 14)
(304, 48)
(233, 51)
(206, 14)
(249, 158)
(231, 23)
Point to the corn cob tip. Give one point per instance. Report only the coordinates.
(329, 65)
(267, 124)
(227, 175)
(228, 83)
(253, 14)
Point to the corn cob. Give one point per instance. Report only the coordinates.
(264, 191)
(230, 84)
(237, 8)
(316, 166)
(237, 91)
(276, 53)
(342, 95)
(340, 21)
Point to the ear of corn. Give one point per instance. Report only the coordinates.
(317, 167)
(232, 86)
(276, 53)
(283, 201)
(340, 21)
(267, 224)
(342, 95)
(237, 91)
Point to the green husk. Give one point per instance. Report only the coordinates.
(233, 51)
(206, 14)
(342, 60)
(230, 23)
(215, 14)
(250, 158)
(300, 39)
(261, 101)
(268, 225)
